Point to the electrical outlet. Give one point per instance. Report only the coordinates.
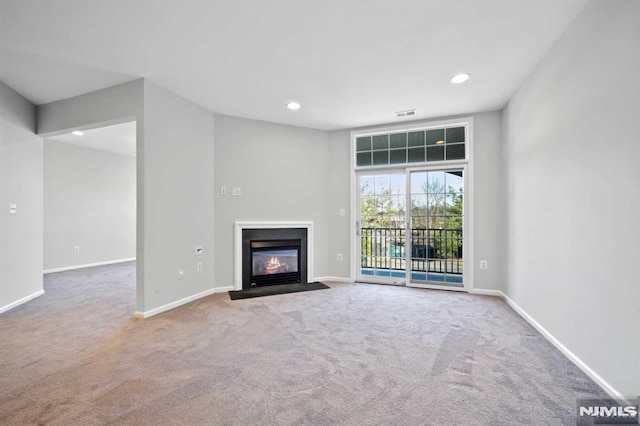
(484, 264)
(340, 257)
(199, 267)
(180, 274)
(223, 190)
(76, 249)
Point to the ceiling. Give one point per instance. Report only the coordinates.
(349, 63)
(118, 139)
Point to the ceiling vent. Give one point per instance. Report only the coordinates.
(406, 113)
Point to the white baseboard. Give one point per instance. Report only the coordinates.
(487, 292)
(88, 265)
(562, 348)
(184, 301)
(21, 301)
(337, 279)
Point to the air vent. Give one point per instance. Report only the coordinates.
(406, 113)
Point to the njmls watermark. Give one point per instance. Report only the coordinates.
(608, 412)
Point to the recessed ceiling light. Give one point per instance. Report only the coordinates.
(293, 105)
(77, 133)
(460, 78)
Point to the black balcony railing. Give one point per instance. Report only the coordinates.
(432, 250)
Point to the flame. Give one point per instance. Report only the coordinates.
(274, 262)
(273, 266)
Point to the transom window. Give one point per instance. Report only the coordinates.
(416, 146)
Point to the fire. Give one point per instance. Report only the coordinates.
(273, 265)
(275, 262)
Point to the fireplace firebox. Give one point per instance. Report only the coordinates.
(273, 256)
(275, 262)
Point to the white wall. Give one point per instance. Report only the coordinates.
(21, 184)
(89, 201)
(571, 155)
(283, 173)
(488, 203)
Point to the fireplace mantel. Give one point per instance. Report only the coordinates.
(241, 225)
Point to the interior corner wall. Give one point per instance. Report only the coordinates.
(282, 172)
(20, 184)
(489, 231)
(178, 198)
(90, 202)
(571, 155)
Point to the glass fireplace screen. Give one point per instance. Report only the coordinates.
(275, 261)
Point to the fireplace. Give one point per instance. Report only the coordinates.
(273, 256)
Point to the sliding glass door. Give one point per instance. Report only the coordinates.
(418, 246)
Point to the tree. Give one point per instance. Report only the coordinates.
(381, 215)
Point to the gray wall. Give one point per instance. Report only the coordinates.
(174, 181)
(339, 187)
(21, 184)
(571, 156)
(89, 201)
(488, 204)
(489, 207)
(283, 173)
(178, 197)
(113, 105)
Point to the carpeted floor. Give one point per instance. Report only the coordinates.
(358, 354)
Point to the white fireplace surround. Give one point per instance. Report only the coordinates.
(237, 256)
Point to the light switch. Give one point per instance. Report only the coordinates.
(13, 209)
(223, 190)
(236, 192)
(343, 212)
(198, 250)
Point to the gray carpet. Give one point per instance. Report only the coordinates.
(356, 355)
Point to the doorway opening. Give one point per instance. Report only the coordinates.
(90, 199)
